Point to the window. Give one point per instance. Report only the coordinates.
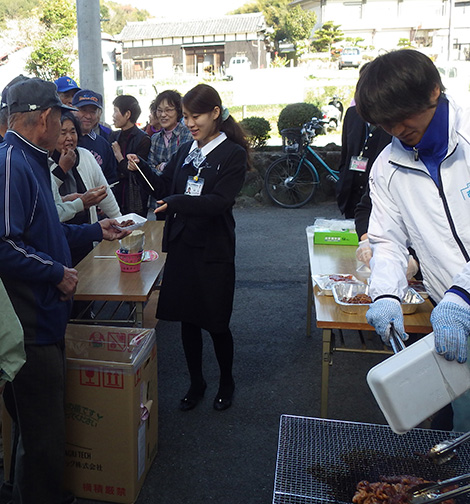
(354, 10)
(143, 65)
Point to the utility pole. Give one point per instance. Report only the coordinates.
(89, 45)
(450, 40)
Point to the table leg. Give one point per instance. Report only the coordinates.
(309, 302)
(139, 314)
(325, 371)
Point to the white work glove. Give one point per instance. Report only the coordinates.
(413, 267)
(364, 252)
(450, 321)
(382, 313)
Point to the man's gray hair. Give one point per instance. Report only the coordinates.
(27, 119)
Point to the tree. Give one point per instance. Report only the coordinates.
(52, 53)
(298, 26)
(12, 9)
(326, 36)
(354, 41)
(405, 43)
(48, 61)
(290, 24)
(114, 16)
(60, 19)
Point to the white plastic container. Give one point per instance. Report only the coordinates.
(415, 383)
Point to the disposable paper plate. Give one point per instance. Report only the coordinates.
(138, 221)
(415, 383)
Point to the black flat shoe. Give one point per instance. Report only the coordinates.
(221, 404)
(192, 398)
(223, 399)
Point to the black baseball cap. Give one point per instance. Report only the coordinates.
(19, 78)
(28, 95)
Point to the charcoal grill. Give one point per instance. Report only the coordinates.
(321, 461)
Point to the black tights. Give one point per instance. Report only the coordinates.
(223, 347)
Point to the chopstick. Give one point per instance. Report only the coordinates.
(104, 257)
(134, 164)
(113, 184)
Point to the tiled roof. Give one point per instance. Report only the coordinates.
(240, 23)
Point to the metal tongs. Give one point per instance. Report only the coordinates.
(445, 450)
(395, 340)
(438, 492)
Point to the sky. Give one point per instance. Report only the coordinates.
(185, 8)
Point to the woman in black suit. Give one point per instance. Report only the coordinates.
(197, 190)
(360, 145)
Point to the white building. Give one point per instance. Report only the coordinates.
(432, 24)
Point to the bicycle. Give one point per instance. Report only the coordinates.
(290, 181)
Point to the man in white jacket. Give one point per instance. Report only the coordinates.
(420, 191)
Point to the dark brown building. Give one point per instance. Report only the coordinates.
(156, 49)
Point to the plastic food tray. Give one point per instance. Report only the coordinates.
(138, 221)
(416, 383)
(325, 282)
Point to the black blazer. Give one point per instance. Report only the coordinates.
(351, 184)
(207, 220)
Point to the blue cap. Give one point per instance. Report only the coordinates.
(65, 84)
(87, 97)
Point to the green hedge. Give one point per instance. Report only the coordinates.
(257, 131)
(296, 115)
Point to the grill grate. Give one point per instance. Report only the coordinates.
(321, 461)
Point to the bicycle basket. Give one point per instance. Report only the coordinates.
(291, 140)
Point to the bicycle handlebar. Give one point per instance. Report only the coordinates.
(312, 127)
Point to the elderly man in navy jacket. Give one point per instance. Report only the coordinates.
(35, 267)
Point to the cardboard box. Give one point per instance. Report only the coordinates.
(111, 411)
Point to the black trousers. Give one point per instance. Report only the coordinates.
(35, 401)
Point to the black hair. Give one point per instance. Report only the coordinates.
(128, 103)
(395, 86)
(153, 106)
(203, 99)
(68, 116)
(173, 99)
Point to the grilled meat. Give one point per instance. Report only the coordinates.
(389, 490)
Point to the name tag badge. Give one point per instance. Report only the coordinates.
(358, 163)
(194, 187)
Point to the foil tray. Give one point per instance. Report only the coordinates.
(349, 290)
(342, 290)
(321, 461)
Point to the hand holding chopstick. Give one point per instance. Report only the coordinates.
(133, 166)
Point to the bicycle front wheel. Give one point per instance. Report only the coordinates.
(290, 183)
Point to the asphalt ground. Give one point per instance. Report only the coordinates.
(230, 457)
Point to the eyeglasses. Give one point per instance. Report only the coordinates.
(166, 111)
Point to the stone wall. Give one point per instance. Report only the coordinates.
(261, 159)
